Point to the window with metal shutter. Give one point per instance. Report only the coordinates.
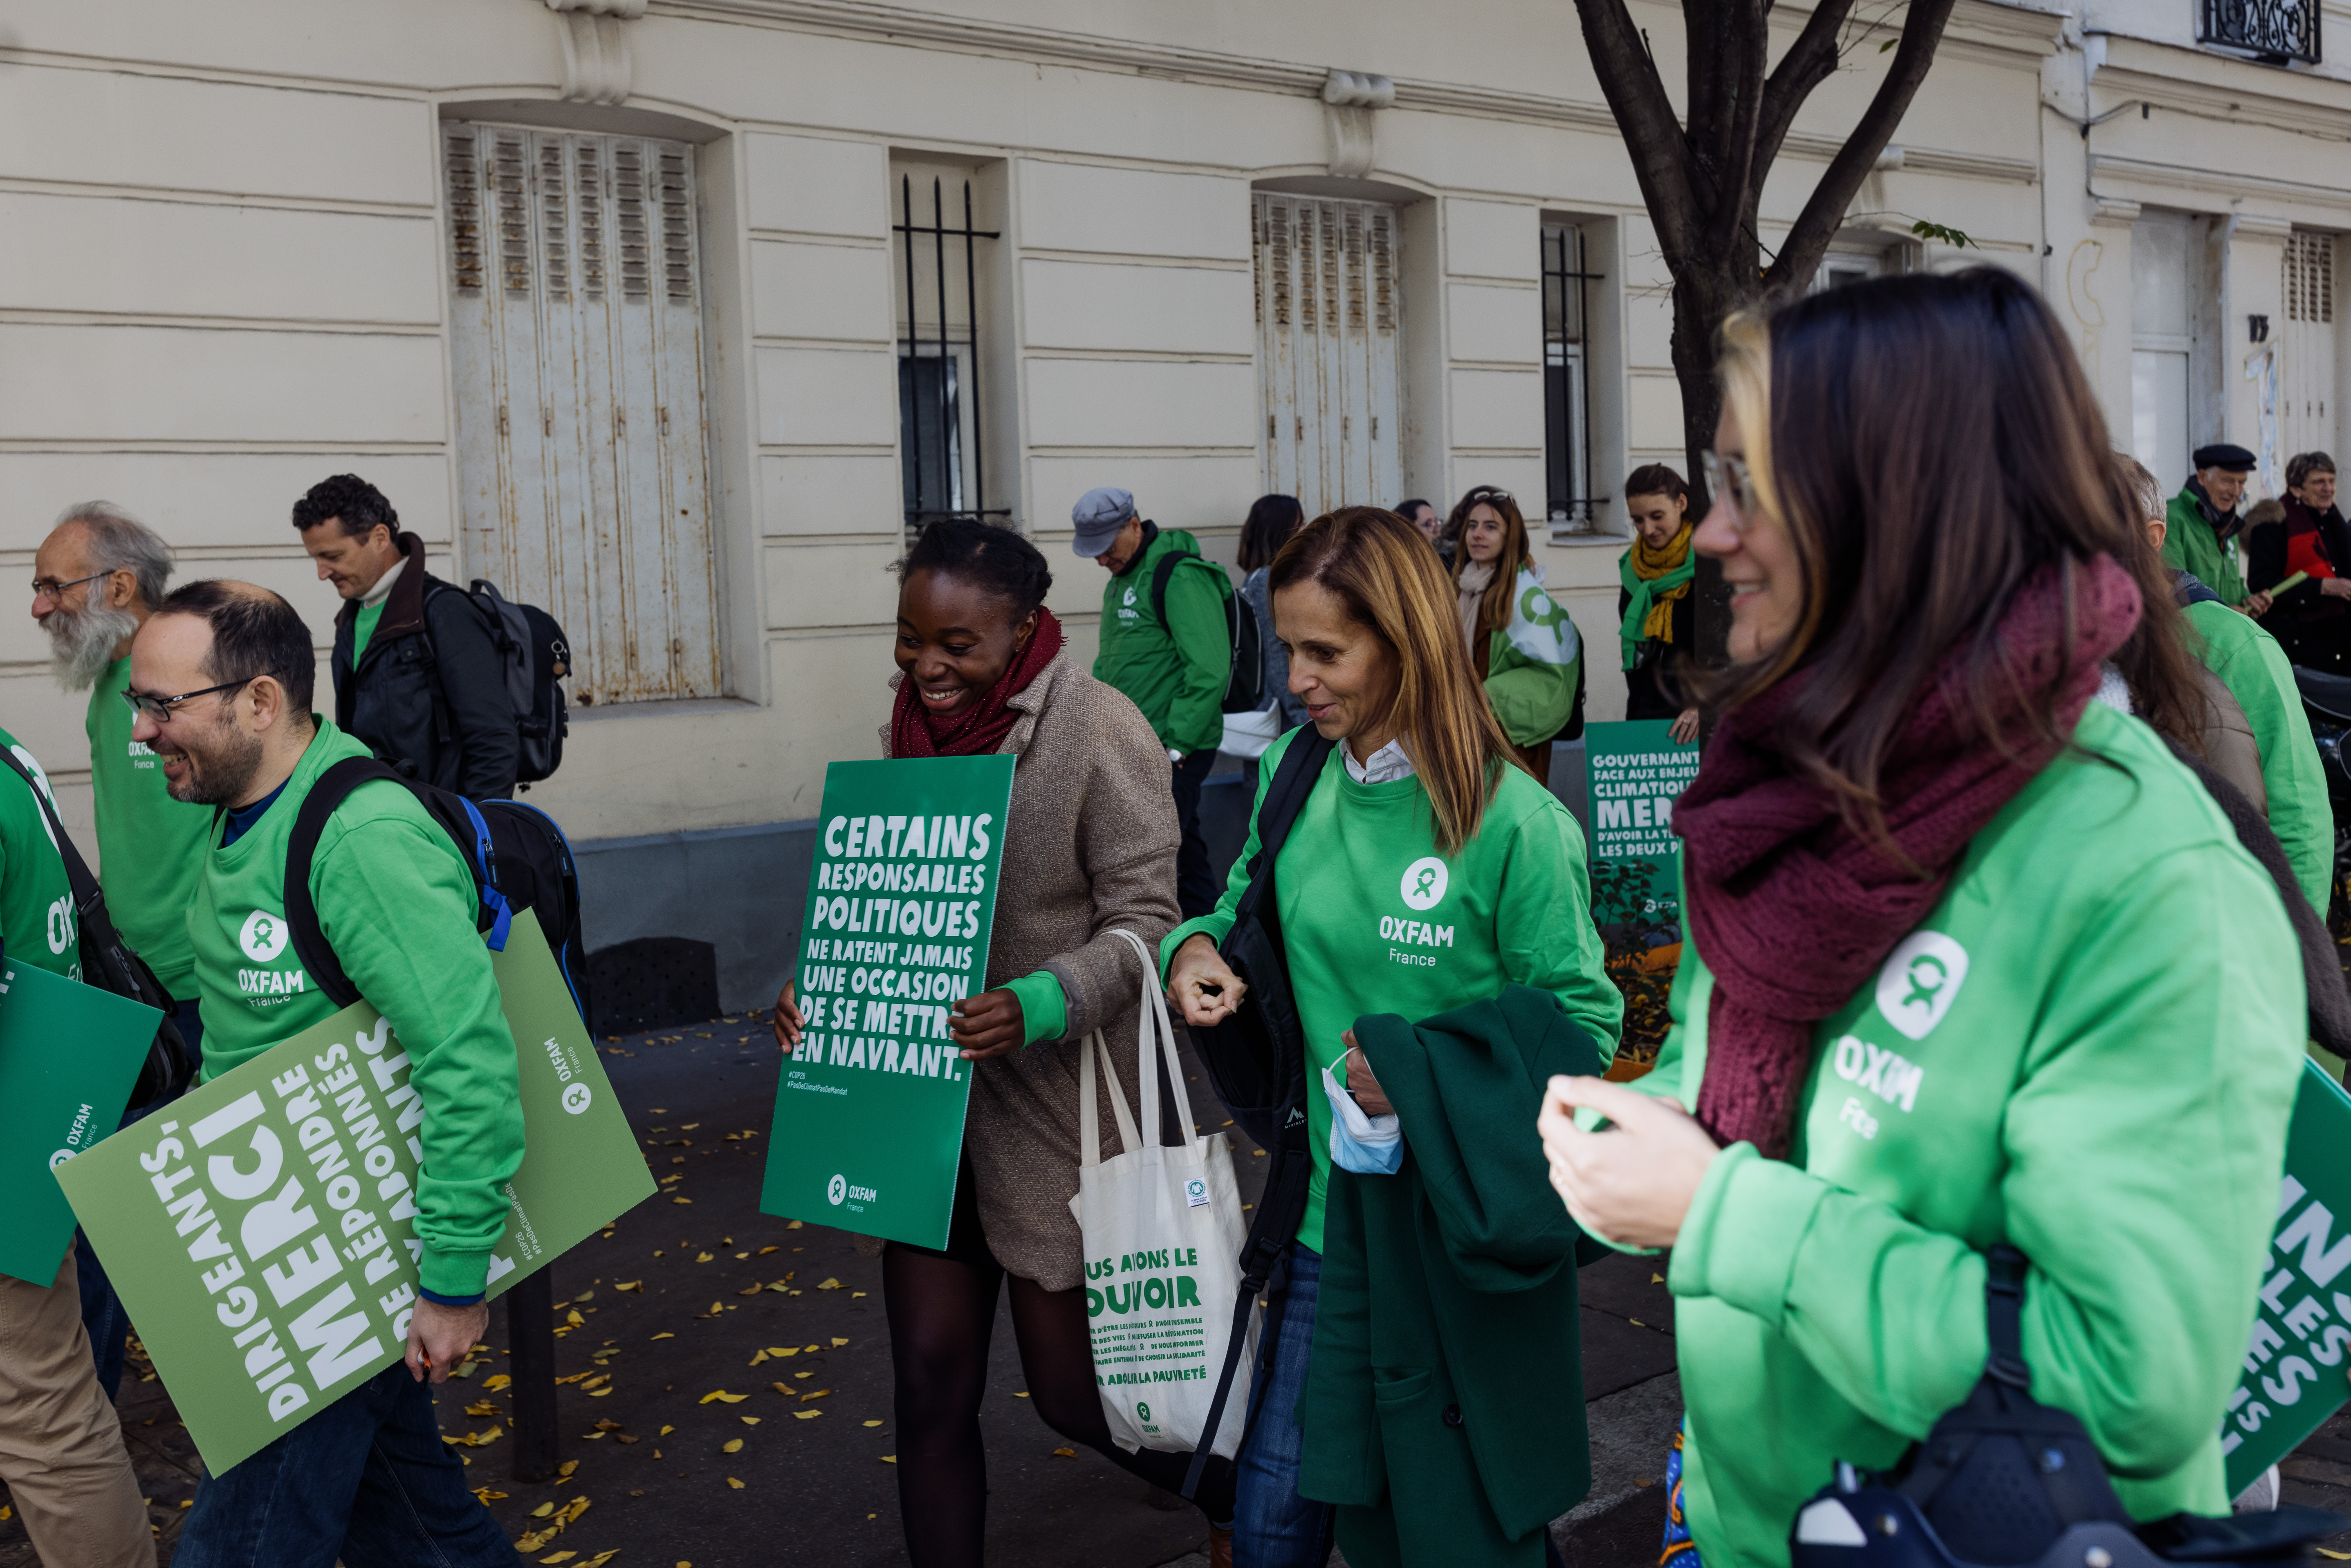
(2306, 364)
(583, 471)
(1327, 303)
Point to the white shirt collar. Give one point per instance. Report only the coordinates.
(1388, 764)
(382, 589)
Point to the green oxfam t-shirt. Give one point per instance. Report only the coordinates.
(396, 905)
(1374, 920)
(363, 627)
(37, 925)
(150, 847)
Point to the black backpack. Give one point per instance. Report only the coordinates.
(1245, 687)
(109, 963)
(535, 656)
(1256, 1059)
(520, 858)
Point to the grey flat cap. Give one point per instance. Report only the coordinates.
(1099, 515)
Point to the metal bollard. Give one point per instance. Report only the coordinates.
(530, 1333)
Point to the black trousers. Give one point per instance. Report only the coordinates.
(1195, 888)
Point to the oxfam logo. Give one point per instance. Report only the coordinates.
(1143, 1412)
(60, 1158)
(1424, 882)
(576, 1096)
(264, 935)
(837, 1190)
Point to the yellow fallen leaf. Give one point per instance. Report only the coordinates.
(830, 1285)
(751, 1290)
(665, 1335)
(571, 1515)
(757, 1357)
(838, 1342)
(764, 1250)
(533, 1540)
(731, 1445)
(856, 1295)
(542, 1510)
(779, 1388)
(1657, 1279)
(816, 1394)
(487, 1494)
(702, 1258)
(483, 1407)
(795, 1225)
(599, 1393)
(596, 1382)
(873, 1423)
(1065, 1453)
(748, 1420)
(733, 1482)
(889, 1458)
(722, 1394)
(664, 1432)
(601, 1559)
(563, 1556)
(494, 1382)
(783, 1350)
(574, 1319)
(630, 1285)
(811, 1347)
(807, 1415)
(690, 1200)
(567, 1467)
(2338, 1556)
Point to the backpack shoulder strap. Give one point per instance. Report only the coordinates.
(77, 874)
(331, 789)
(1293, 781)
(2004, 1316)
(1159, 576)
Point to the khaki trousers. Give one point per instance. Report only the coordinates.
(61, 1447)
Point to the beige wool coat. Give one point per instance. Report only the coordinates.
(1089, 846)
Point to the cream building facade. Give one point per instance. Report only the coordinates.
(670, 317)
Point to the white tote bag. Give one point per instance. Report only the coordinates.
(1163, 1236)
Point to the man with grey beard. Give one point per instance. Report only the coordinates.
(96, 579)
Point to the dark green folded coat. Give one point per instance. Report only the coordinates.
(1447, 1380)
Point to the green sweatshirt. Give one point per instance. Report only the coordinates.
(1176, 671)
(37, 925)
(150, 847)
(1374, 920)
(2250, 663)
(2089, 1049)
(2189, 545)
(396, 903)
(1533, 665)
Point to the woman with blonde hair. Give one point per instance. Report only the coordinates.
(1975, 966)
(1522, 645)
(1423, 874)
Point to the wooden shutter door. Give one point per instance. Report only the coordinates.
(1328, 301)
(583, 464)
(2306, 373)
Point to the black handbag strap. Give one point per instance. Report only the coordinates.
(2005, 1317)
(1293, 781)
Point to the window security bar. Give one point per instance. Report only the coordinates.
(934, 379)
(2276, 30)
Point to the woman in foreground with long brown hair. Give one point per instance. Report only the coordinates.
(1972, 960)
(1424, 873)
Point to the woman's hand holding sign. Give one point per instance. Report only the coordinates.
(989, 1024)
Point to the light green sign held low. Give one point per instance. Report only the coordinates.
(2295, 1366)
(869, 1112)
(69, 1055)
(261, 1229)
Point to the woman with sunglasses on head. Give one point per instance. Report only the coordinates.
(1423, 873)
(1521, 643)
(1089, 850)
(1973, 959)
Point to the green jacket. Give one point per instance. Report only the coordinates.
(396, 903)
(38, 924)
(1533, 665)
(1446, 1384)
(2189, 545)
(1176, 671)
(2089, 1049)
(2250, 663)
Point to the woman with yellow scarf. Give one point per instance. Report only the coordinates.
(1656, 600)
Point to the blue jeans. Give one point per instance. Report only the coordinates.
(102, 1317)
(1273, 1527)
(366, 1479)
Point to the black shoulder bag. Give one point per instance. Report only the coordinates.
(1256, 1062)
(2005, 1480)
(109, 963)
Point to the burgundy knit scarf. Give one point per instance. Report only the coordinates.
(980, 728)
(1794, 910)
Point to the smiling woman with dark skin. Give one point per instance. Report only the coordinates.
(1090, 849)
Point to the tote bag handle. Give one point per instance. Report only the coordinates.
(1153, 1009)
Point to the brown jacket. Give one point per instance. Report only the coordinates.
(1089, 846)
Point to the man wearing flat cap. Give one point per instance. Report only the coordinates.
(1164, 643)
(2203, 523)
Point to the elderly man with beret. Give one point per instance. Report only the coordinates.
(1164, 643)
(2203, 522)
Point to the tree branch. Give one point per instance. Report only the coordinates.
(1653, 132)
(1808, 242)
(1811, 60)
(1736, 168)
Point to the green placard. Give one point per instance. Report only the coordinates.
(69, 1055)
(869, 1110)
(2294, 1364)
(260, 1230)
(1636, 771)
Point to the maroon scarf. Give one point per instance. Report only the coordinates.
(980, 728)
(1794, 910)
